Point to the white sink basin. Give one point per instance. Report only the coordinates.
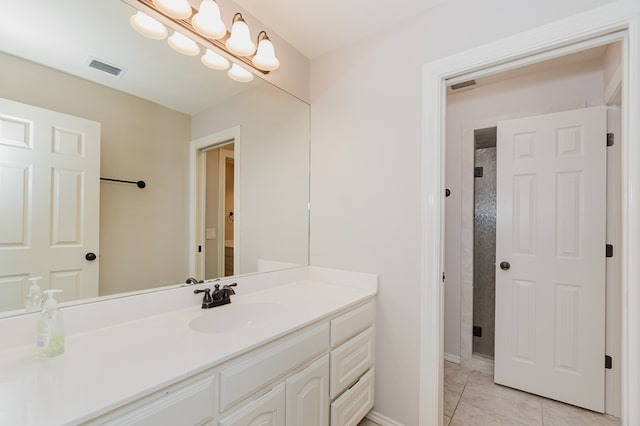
(224, 319)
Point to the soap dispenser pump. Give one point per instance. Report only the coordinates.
(33, 301)
(50, 328)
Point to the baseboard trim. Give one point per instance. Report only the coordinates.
(452, 358)
(381, 420)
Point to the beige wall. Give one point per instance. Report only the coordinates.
(143, 233)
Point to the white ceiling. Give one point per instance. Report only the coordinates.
(315, 27)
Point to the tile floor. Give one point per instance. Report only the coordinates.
(472, 399)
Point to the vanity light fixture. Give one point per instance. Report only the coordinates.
(265, 57)
(206, 29)
(183, 44)
(214, 61)
(240, 40)
(237, 73)
(147, 26)
(208, 22)
(179, 9)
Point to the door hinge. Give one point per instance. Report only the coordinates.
(610, 139)
(477, 331)
(609, 250)
(199, 249)
(608, 362)
(443, 277)
(478, 172)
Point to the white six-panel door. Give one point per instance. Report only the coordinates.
(551, 223)
(50, 197)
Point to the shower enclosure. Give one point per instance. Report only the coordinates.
(484, 242)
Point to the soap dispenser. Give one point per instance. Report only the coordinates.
(33, 301)
(50, 328)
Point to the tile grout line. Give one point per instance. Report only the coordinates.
(460, 399)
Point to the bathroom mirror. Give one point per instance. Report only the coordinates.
(149, 116)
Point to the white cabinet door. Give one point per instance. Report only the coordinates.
(50, 198)
(551, 222)
(308, 395)
(268, 410)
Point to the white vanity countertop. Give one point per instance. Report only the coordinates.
(108, 367)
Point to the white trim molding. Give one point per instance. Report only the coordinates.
(452, 358)
(381, 420)
(558, 38)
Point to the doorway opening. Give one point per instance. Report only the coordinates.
(475, 113)
(219, 210)
(215, 205)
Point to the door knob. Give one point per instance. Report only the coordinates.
(90, 256)
(505, 266)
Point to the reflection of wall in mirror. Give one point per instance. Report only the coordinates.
(274, 173)
(140, 141)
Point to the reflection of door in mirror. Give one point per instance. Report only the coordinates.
(218, 204)
(227, 210)
(50, 198)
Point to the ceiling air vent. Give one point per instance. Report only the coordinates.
(462, 85)
(105, 67)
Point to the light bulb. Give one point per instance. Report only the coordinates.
(207, 21)
(147, 26)
(237, 73)
(183, 44)
(179, 9)
(214, 61)
(265, 58)
(240, 41)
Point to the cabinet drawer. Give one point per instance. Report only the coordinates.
(355, 403)
(348, 325)
(266, 410)
(350, 361)
(191, 403)
(240, 378)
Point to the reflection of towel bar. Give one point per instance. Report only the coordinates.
(139, 183)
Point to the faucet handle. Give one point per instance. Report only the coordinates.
(227, 287)
(207, 295)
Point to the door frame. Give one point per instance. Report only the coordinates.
(197, 184)
(562, 37)
(222, 207)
